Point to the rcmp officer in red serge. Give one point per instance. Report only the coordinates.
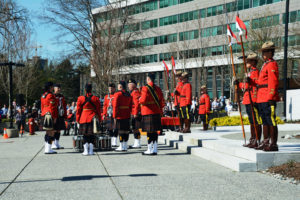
(49, 105)
(88, 107)
(204, 107)
(267, 96)
(185, 102)
(152, 103)
(251, 62)
(108, 114)
(135, 113)
(122, 105)
(177, 98)
(62, 115)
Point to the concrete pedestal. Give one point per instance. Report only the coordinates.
(11, 133)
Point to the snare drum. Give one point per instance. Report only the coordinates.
(78, 143)
(103, 143)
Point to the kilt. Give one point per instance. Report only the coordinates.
(136, 124)
(110, 123)
(185, 112)
(60, 124)
(151, 123)
(86, 129)
(122, 124)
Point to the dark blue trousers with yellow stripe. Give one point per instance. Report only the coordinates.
(267, 113)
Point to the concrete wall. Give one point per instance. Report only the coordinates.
(293, 105)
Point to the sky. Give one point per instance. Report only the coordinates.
(43, 34)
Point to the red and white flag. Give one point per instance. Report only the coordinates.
(173, 65)
(231, 34)
(240, 25)
(166, 67)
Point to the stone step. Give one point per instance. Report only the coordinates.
(229, 161)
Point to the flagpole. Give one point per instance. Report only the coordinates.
(236, 89)
(167, 84)
(248, 90)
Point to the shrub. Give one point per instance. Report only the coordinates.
(234, 121)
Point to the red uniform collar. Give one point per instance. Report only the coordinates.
(151, 83)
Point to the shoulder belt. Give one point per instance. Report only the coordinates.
(153, 94)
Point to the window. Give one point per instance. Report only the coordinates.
(262, 2)
(189, 35)
(148, 6)
(167, 3)
(149, 24)
(214, 11)
(220, 9)
(293, 16)
(255, 3)
(240, 4)
(209, 12)
(246, 4)
(168, 20)
(203, 13)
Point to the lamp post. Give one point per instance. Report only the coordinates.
(285, 60)
(10, 65)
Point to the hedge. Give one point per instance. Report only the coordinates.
(234, 121)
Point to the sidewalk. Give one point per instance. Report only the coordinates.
(27, 173)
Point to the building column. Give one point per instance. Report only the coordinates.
(194, 81)
(199, 81)
(214, 82)
(222, 81)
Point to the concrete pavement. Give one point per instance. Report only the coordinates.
(26, 173)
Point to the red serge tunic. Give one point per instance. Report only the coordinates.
(204, 104)
(85, 114)
(48, 104)
(254, 73)
(267, 82)
(186, 95)
(177, 93)
(122, 105)
(149, 107)
(136, 108)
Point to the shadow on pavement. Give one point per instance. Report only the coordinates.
(79, 178)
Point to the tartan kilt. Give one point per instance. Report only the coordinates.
(86, 129)
(109, 123)
(136, 123)
(60, 124)
(151, 123)
(122, 124)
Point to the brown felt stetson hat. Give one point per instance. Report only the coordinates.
(252, 56)
(203, 87)
(267, 46)
(184, 75)
(178, 73)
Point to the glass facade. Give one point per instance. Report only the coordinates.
(149, 24)
(265, 22)
(189, 35)
(294, 16)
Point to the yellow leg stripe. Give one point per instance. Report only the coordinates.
(258, 119)
(187, 113)
(181, 113)
(273, 115)
(206, 118)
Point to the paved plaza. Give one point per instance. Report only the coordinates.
(27, 173)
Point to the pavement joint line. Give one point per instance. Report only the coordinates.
(110, 178)
(2, 192)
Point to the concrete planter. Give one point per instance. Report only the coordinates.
(11, 133)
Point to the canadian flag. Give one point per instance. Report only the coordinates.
(240, 25)
(173, 64)
(166, 67)
(230, 33)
